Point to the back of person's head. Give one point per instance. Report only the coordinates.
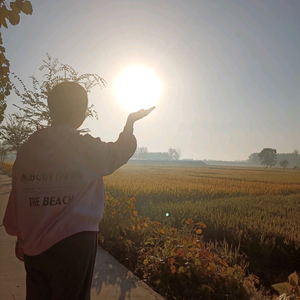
(67, 103)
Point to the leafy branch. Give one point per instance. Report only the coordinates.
(34, 108)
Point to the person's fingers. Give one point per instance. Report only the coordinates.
(148, 111)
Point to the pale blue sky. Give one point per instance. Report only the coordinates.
(230, 69)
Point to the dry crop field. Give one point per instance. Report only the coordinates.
(256, 209)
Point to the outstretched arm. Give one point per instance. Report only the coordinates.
(105, 158)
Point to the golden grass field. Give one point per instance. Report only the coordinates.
(254, 209)
(229, 199)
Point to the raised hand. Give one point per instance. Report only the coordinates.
(139, 115)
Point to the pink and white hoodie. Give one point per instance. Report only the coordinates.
(57, 185)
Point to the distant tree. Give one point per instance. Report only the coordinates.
(141, 152)
(254, 159)
(34, 107)
(4, 150)
(177, 154)
(158, 156)
(268, 157)
(15, 132)
(174, 154)
(296, 156)
(10, 13)
(284, 163)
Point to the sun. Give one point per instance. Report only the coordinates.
(137, 87)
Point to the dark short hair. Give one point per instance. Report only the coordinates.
(67, 102)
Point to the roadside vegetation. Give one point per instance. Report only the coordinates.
(6, 168)
(251, 211)
(177, 263)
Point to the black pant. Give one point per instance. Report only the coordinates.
(64, 271)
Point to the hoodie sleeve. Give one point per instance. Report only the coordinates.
(10, 220)
(108, 157)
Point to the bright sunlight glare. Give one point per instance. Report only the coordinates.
(137, 88)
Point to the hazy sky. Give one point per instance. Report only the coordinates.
(230, 69)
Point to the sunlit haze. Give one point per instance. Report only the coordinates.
(224, 75)
(137, 87)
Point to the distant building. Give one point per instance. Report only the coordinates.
(158, 156)
(152, 156)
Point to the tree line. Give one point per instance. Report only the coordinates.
(269, 157)
(143, 153)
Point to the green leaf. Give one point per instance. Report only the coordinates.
(189, 244)
(3, 21)
(2, 59)
(27, 8)
(293, 279)
(281, 287)
(13, 18)
(4, 11)
(207, 287)
(14, 7)
(4, 71)
(19, 4)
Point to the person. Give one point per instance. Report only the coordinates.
(58, 197)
